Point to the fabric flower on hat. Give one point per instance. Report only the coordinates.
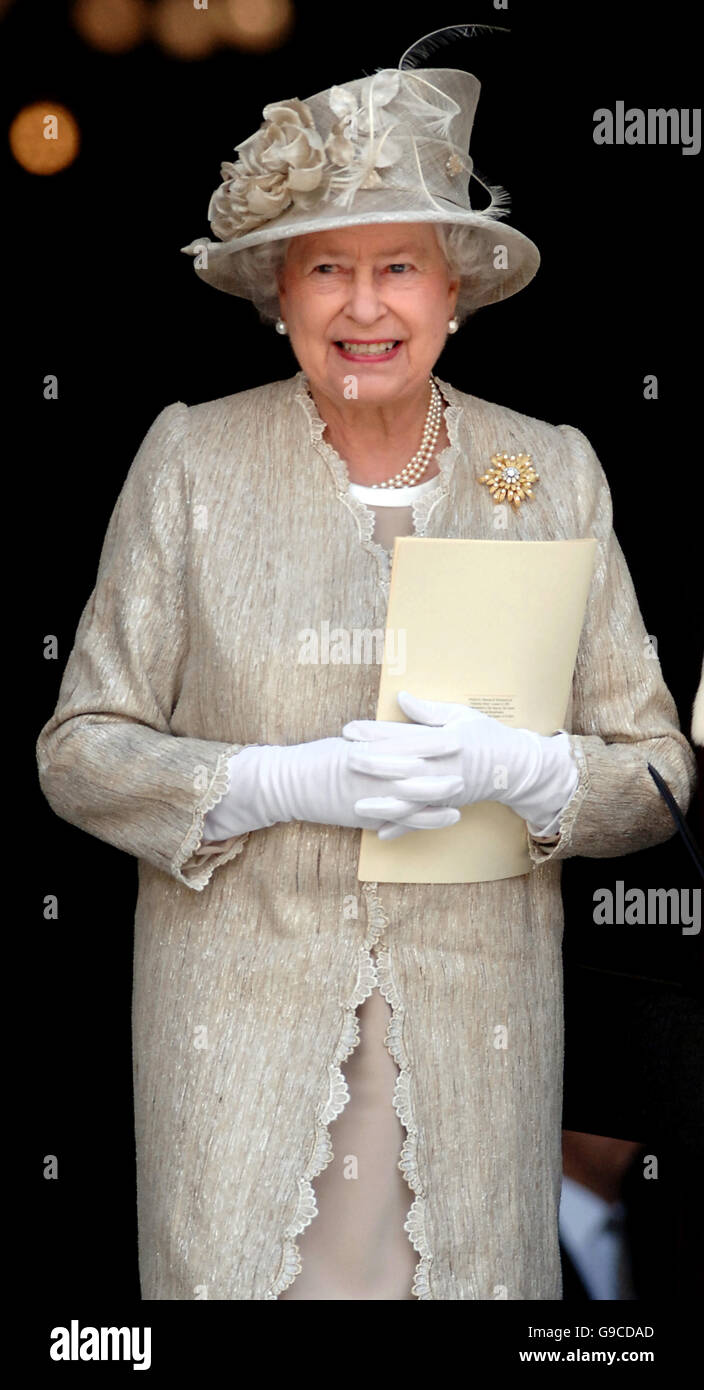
(280, 164)
(358, 143)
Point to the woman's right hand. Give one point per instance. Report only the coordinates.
(323, 781)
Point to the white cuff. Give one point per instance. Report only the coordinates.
(550, 829)
(558, 784)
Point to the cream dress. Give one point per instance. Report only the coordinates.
(358, 1246)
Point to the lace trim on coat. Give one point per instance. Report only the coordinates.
(364, 514)
(186, 866)
(541, 851)
(369, 975)
(414, 1224)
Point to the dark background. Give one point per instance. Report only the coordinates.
(103, 297)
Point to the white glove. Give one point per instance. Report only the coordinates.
(534, 774)
(330, 781)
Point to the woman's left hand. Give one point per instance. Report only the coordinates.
(534, 774)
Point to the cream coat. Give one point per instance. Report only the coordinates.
(233, 533)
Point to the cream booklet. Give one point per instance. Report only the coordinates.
(495, 625)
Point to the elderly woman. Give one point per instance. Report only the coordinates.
(321, 1111)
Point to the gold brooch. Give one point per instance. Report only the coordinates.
(510, 478)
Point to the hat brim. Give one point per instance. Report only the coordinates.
(496, 282)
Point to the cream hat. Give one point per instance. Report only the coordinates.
(392, 147)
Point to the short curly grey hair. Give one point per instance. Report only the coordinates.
(261, 265)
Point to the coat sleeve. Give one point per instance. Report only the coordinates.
(107, 759)
(623, 714)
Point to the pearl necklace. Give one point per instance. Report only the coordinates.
(416, 467)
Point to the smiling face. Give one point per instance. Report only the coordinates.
(371, 301)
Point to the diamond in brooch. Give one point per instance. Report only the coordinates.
(510, 478)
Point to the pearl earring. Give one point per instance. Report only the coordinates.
(281, 326)
(452, 326)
